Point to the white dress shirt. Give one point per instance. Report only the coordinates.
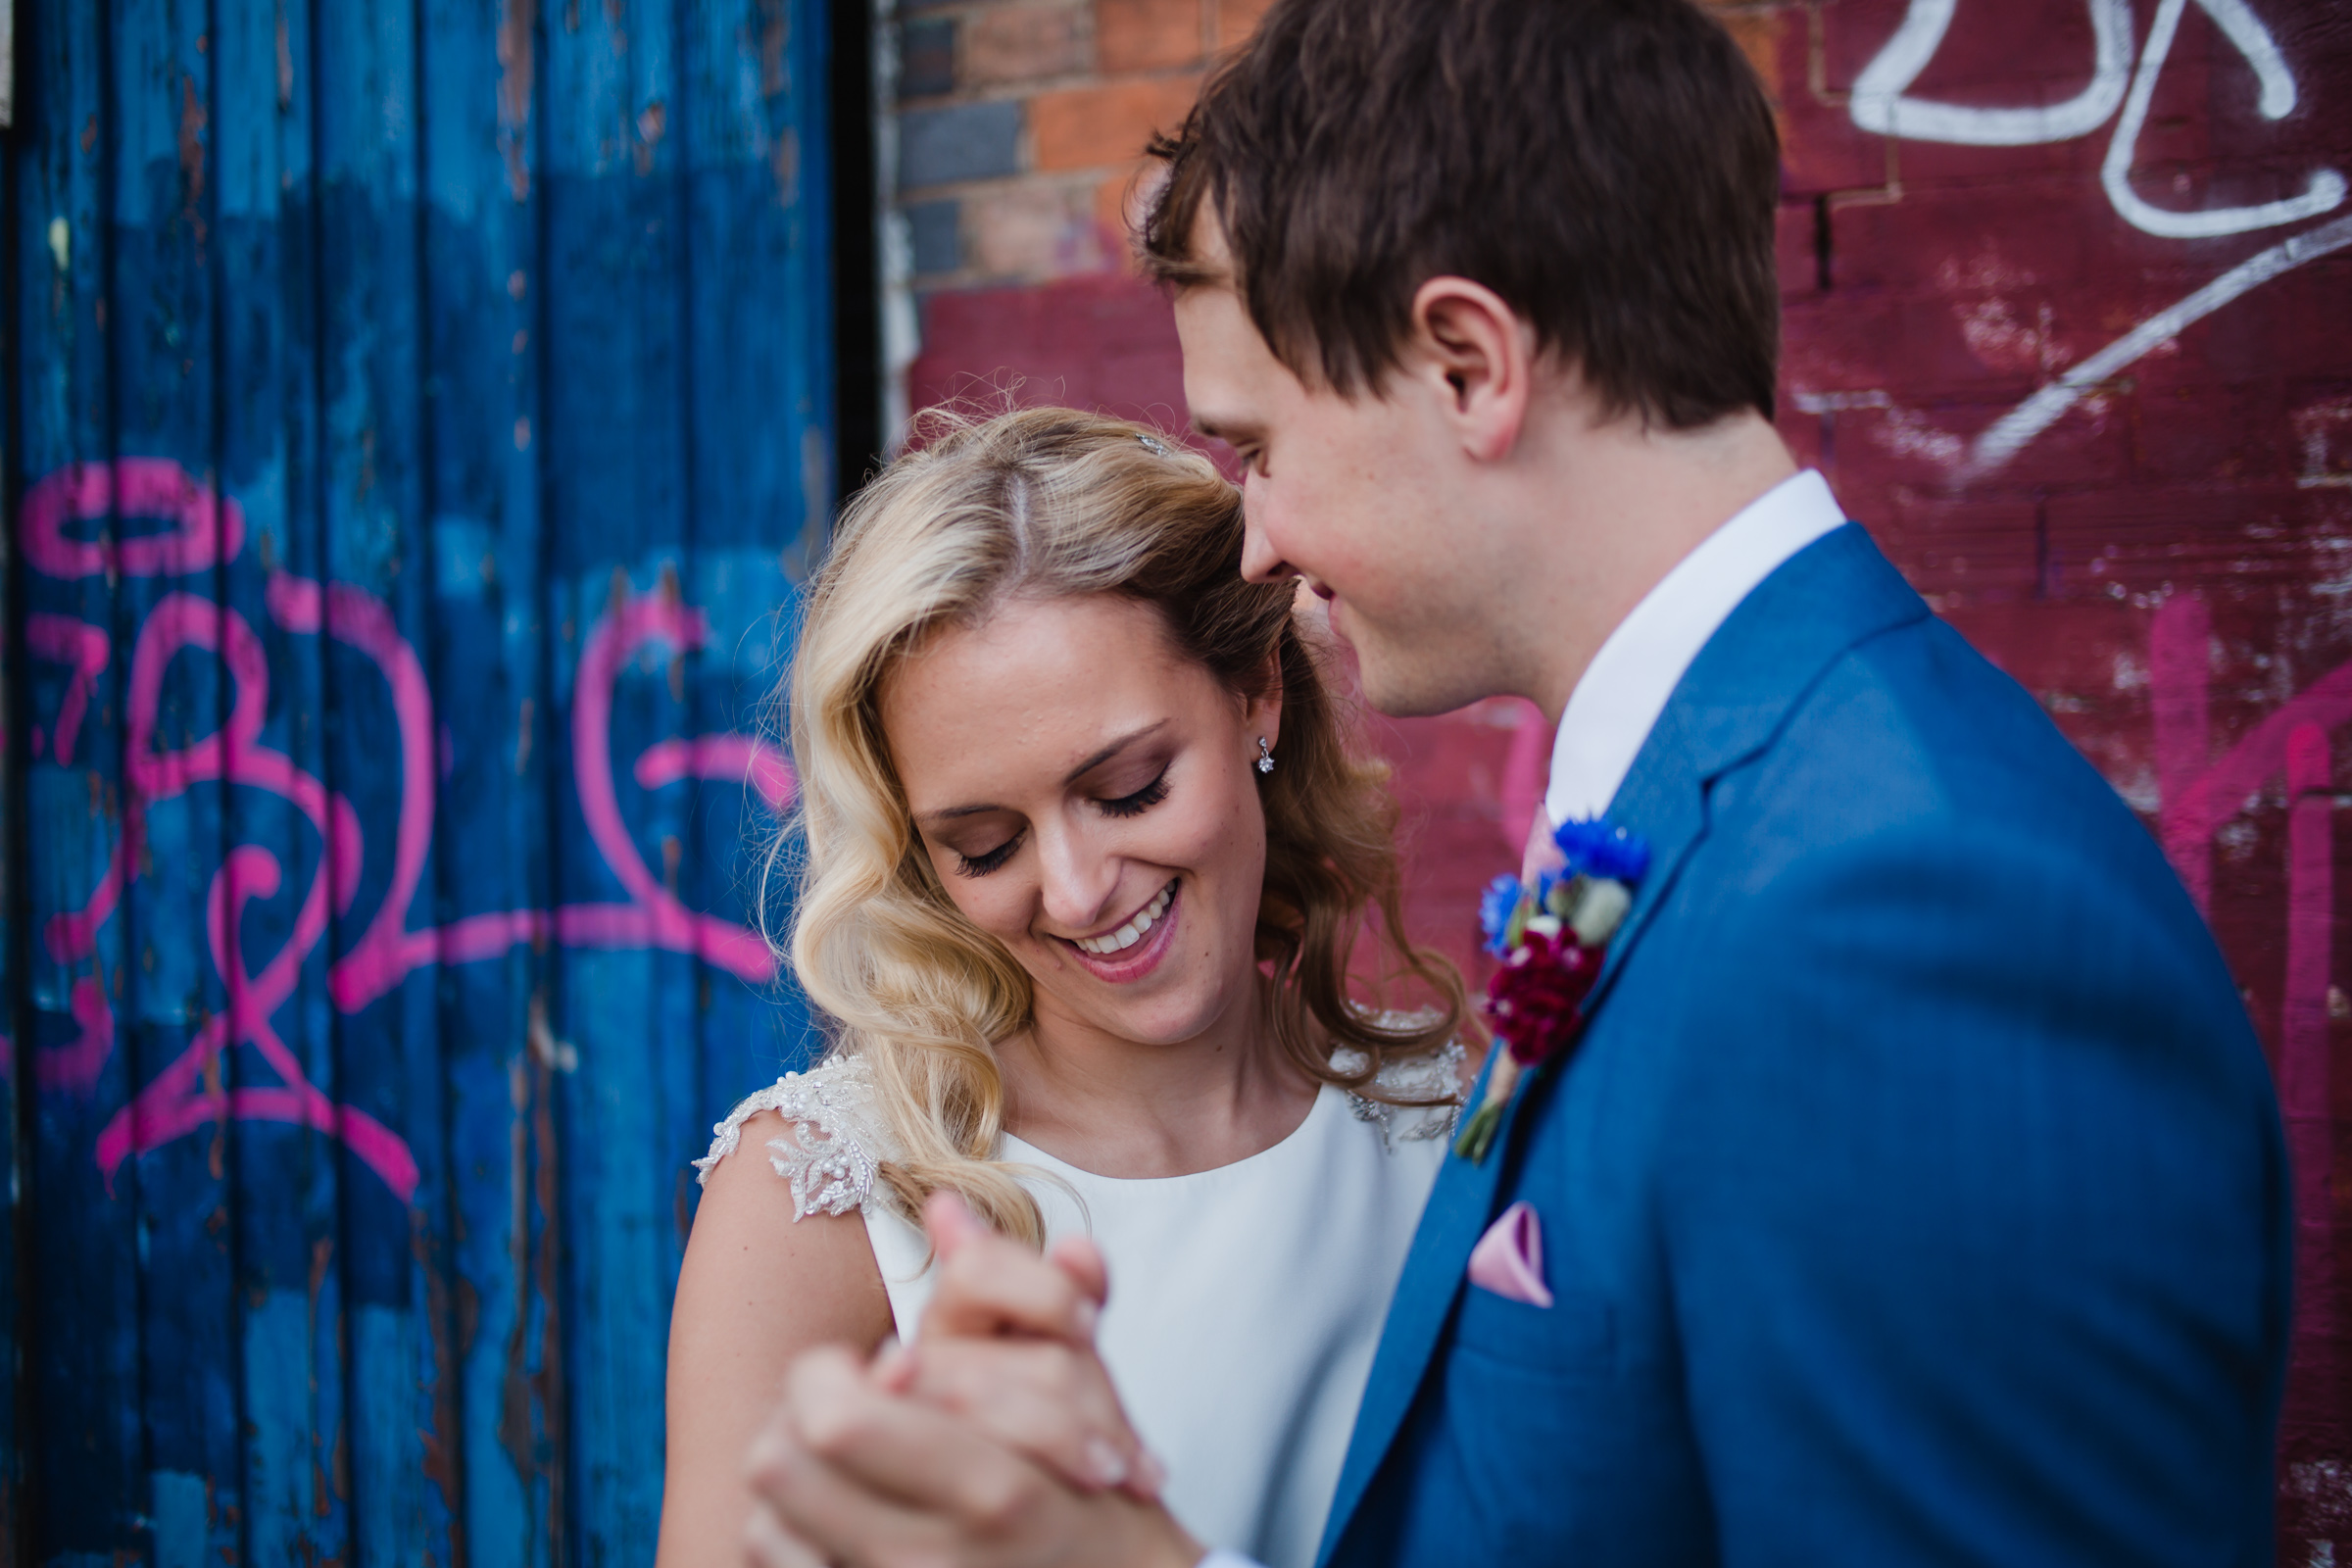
(1617, 702)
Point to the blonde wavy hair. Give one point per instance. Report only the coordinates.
(1050, 503)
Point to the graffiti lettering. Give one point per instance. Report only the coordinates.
(1880, 103)
(186, 1094)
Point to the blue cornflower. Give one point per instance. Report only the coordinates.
(1599, 849)
(1495, 908)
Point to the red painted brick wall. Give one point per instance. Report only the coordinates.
(2083, 369)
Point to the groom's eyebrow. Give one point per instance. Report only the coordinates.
(1113, 750)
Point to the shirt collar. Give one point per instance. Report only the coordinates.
(1621, 694)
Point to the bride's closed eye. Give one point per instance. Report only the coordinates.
(982, 864)
(1140, 800)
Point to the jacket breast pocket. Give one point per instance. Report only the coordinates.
(1573, 1338)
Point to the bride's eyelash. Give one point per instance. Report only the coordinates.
(982, 864)
(1140, 800)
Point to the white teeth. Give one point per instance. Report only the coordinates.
(1128, 935)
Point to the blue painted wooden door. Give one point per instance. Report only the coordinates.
(421, 416)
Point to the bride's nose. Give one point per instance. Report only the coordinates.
(1078, 876)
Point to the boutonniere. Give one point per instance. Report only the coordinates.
(1551, 938)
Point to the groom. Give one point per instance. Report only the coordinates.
(1915, 1191)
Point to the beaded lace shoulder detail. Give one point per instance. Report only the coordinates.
(831, 1145)
(1437, 1076)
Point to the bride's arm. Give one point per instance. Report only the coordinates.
(758, 1288)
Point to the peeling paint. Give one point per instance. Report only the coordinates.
(191, 156)
(440, 1445)
(517, 26)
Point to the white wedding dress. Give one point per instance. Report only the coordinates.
(1246, 1302)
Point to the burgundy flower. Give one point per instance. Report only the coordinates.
(1537, 996)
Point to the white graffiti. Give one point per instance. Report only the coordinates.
(2244, 29)
(2009, 433)
(1881, 103)
(1878, 103)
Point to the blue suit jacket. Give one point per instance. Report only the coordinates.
(1916, 1194)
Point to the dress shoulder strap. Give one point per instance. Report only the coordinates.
(832, 1143)
(1436, 1077)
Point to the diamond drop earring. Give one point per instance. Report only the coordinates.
(1265, 755)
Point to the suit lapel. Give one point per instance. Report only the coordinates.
(1727, 708)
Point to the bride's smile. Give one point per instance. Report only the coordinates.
(1109, 956)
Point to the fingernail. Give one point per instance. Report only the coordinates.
(1087, 1314)
(1105, 1462)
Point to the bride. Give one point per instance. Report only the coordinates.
(1089, 853)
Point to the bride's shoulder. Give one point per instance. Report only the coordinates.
(1411, 1099)
(833, 1140)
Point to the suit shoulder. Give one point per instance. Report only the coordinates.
(1914, 726)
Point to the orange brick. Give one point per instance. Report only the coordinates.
(1147, 35)
(1023, 43)
(1087, 126)
(1758, 35)
(1237, 20)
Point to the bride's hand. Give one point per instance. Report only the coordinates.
(1008, 1341)
(849, 1473)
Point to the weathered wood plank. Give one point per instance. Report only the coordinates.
(296, 1483)
(478, 72)
(14, 1012)
(618, 513)
(761, 388)
(381, 750)
(86, 1483)
(187, 682)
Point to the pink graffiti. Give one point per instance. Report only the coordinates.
(729, 758)
(209, 529)
(640, 618)
(76, 1066)
(63, 640)
(188, 1093)
(2201, 793)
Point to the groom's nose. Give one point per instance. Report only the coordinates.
(1260, 560)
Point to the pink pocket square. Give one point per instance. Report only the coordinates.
(1509, 1258)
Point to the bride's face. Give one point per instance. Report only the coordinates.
(1088, 797)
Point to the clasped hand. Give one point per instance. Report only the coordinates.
(996, 1439)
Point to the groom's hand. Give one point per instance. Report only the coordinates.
(1009, 1340)
(852, 1473)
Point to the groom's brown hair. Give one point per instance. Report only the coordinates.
(1610, 167)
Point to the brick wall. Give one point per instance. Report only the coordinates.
(1019, 127)
(2072, 343)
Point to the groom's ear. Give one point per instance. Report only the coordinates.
(1477, 359)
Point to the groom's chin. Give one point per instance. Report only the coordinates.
(1403, 688)
(1388, 675)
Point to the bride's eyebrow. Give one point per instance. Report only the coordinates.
(950, 813)
(1111, 751)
